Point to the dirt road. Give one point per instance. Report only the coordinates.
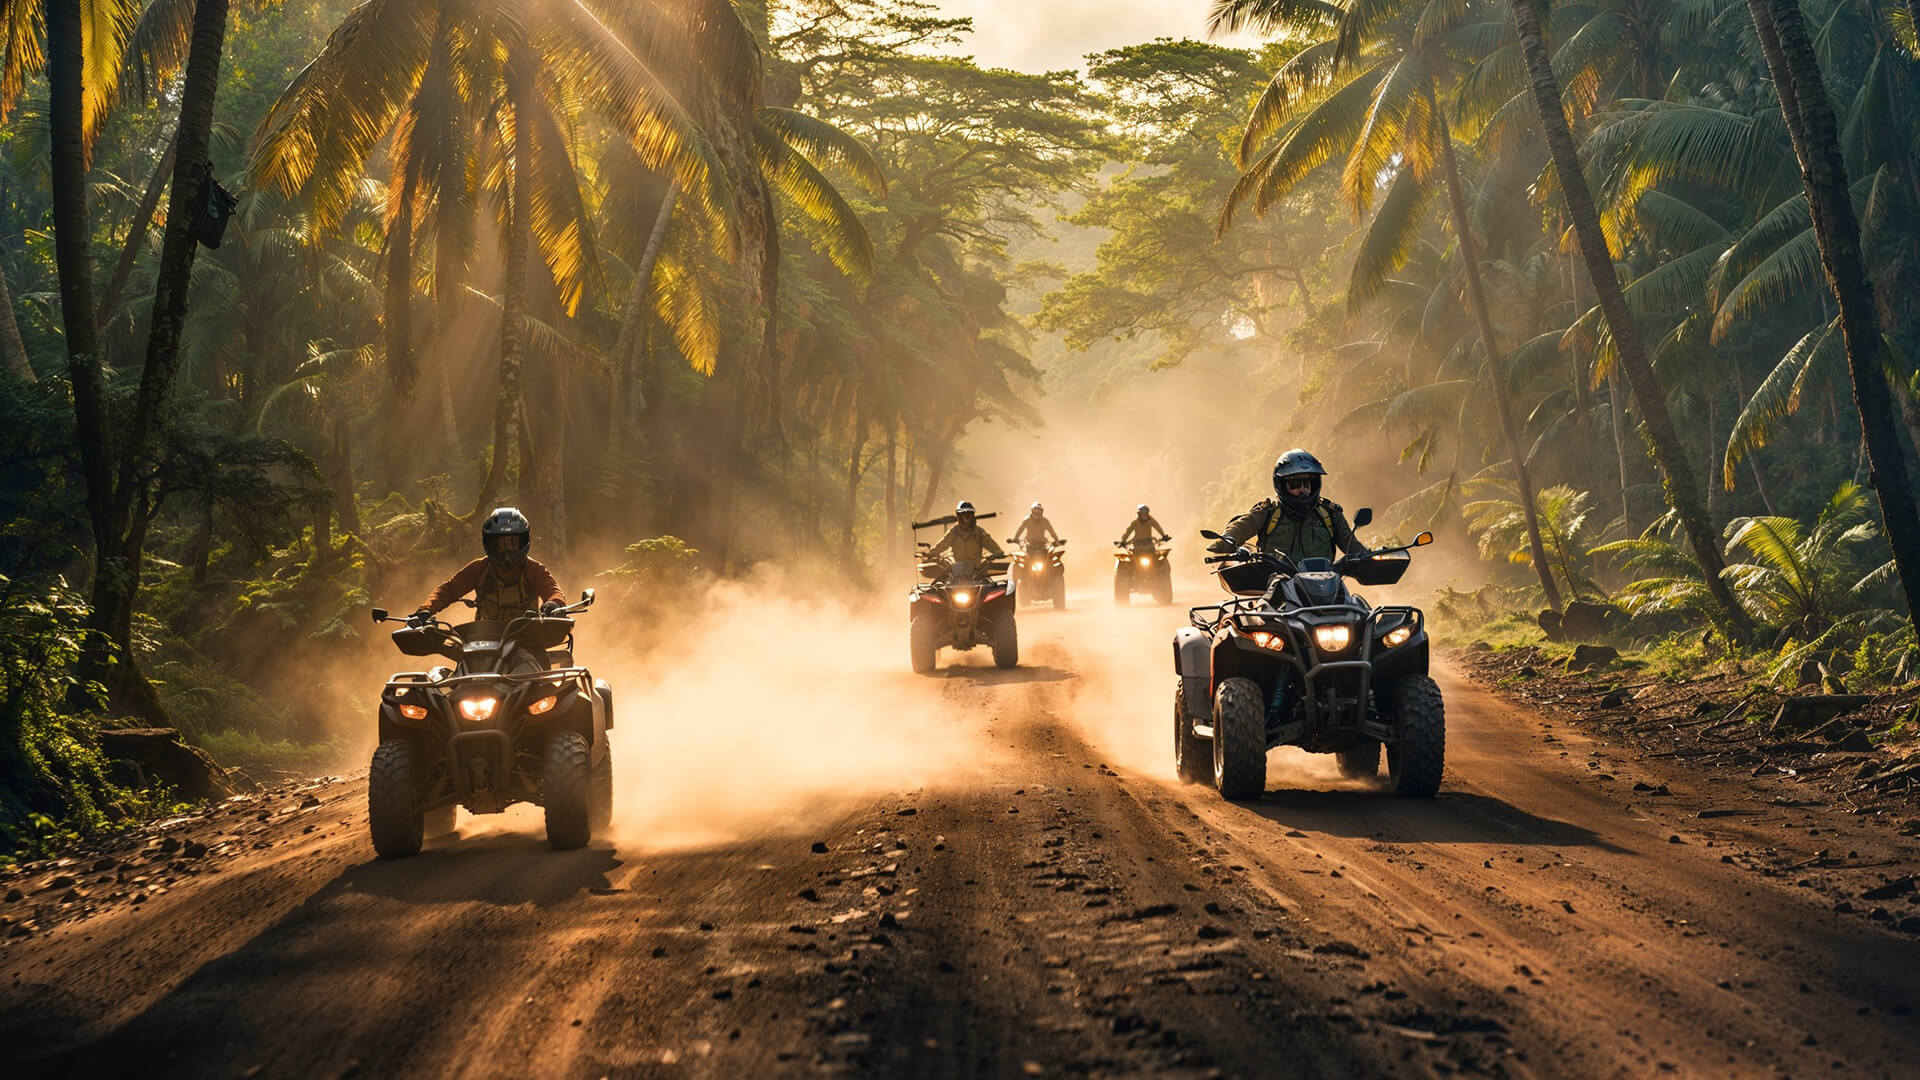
(1039, 899)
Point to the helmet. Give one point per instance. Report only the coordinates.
(505, 536)
(964, 511)
(1141, 509)
(1035, 510)
(1297, 462)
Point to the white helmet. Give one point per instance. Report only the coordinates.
(1141, 509)
(1035, 510)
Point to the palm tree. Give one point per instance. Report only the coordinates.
(1810, 122)
(1376, 73)
(1683, 493)
(476, 98)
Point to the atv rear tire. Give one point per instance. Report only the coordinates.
(1006, 640)
(568, 787)
(1418, 754)
(1361, 761)
(1192, 757)
(393, 801)
(439, 822)
(1240, 740)
(923, 644)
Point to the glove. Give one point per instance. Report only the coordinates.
(1166, 539)
(421, 616)
(1222, 546)
(552, 608)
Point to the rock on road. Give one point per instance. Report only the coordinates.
(1057, 905)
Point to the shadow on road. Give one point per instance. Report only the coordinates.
(496, 868)
(1453, 817)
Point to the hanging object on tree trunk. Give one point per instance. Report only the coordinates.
(215, 212)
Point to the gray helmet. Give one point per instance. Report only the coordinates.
(1297, 462)
(505, 536)
(1141, 510)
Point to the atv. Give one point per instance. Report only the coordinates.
(1142, 566)
(513, 720)
(1296, 659)
(1040, 572)
(960, 605)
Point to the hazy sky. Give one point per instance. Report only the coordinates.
(1040, 35)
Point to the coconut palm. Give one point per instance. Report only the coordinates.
(479, 100)
(1369, 91)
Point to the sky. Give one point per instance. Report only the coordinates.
(1046, 35)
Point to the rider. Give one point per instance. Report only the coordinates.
(1036, 529)
(504, 581)
(1142, 530)
(1301, 525)
(967, 540)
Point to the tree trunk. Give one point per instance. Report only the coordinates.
(1803, 97)
(893, 502)
(137, 233)
(513, 306)
(1496, 367)
(11, 343)
(1683, 494)
(1617, 414)
(67, 161)
(633, 325)
(118, 560)
(401, 369)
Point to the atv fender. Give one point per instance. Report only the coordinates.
(1193, 661)
(604, 690)
(1408, 659)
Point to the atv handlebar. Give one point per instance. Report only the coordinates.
(381, 615)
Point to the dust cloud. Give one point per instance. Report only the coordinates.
(769, 706)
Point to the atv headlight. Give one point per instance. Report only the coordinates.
(1267, 639)
(1332, 639)
(962, 597)
(1146, 560)
(545, 704)
(1398, 636)
(1037, 566)
(413, 712)
(479, 708)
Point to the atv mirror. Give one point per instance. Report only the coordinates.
(1363, 517)
(1209, 534)
(1423, 539)
(586, 598)
(379, 614)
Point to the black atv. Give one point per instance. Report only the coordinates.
(1295, 659)
(959, 606)
(513, 720)
(1142, 566)
(1040, 572)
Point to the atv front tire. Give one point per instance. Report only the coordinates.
(568, 784)
(393, 802)
(1240, 740)
(1163, 586)
(1361, 761)
(1006, 640)
(923, 643)
(1060, 592)
(1418, 754)
(1122, 588)
(600, 795)
(1192, 757)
